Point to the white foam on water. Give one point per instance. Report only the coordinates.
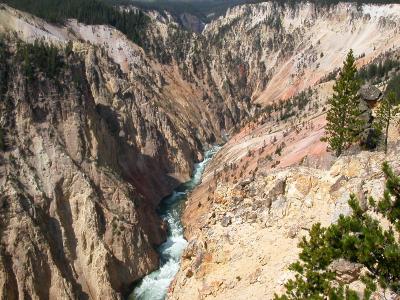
(155, 285)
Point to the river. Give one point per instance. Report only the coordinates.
(155, 285)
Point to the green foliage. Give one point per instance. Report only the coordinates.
(376, 72)
(290, 107)
(41, 57)
(358, 238)
(313, 259)
(385, 114)
(330, 76)
(132, 23)
(394, 86)
(343, 122)
(389, 206)
(2, 144)
(69, 48)
(3, 66)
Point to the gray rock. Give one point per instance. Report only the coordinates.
(293, 231)
(346, 271)
(279, 188)
(191, 249)
(251, 217)
(308, 202)
(365, 111)
(369, 93)
(244, 182)
(338, 184)
(226, 221)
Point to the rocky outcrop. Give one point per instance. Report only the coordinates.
(191, 22)
(369, 96)
(346, 271)
(89, 155)
(269, 215)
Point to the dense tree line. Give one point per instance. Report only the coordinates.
(205, 10)
(394, 86)
(376, 72)
(92, 12)
(286, 109)
(35, 60)
(3, 67)
(39, 57)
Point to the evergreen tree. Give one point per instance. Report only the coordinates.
(3, 67)
(358, 238)
(394, 85)
(69, 49)
(2, 145)
(39, 57)
(385, 114)
(343, 121)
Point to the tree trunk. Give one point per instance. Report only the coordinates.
(386, 136)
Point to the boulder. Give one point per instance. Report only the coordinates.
(254, 276)
(293, 231)
(346, 271)
(226, 221)
(365, 111)
(192, 249)
(369, 93)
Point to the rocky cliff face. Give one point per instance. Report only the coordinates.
(87, 162)
(265, 52)
(89, 154)
(73, 225)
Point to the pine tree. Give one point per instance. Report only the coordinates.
(358, 238)
(385, 114)
(343, 121)
(3, 67)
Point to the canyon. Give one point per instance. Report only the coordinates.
(90, 154)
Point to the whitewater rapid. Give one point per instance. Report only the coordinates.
(155, 285)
